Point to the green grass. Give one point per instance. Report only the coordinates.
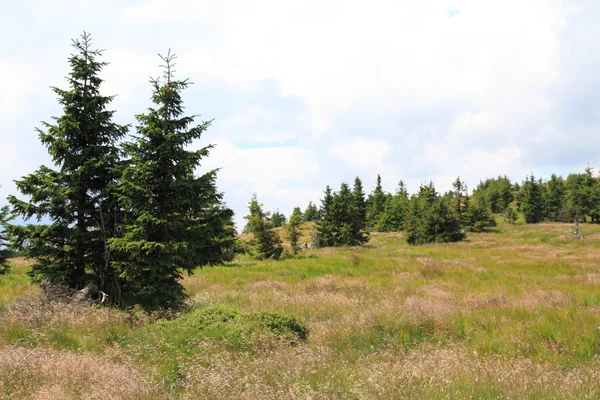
(384, 320)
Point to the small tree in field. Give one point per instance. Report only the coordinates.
(292, 229)
(510, 215)
(175, 221)
(265, 242)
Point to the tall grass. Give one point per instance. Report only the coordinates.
(514, 313)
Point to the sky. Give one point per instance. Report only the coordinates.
(315, 92)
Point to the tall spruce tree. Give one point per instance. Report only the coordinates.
(555, 198)
(375, 205)
(531, 200)
(326, 224)
(346, 224)
(76, 198)
(176, 221)
(4, 243)
(359, 202)
(395, 210)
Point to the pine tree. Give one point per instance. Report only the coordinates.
(458, 186)
(346, 226)
(311, 213)
(531, 201)
(176, 221)
(77, 197)
(431, 219)
(555, 198)
(360, 202)
(326, 224)
(278, 219)
(4, 243)
(266, 242)
(395, 211)
(375, 205)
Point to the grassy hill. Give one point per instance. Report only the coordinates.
(514, 313)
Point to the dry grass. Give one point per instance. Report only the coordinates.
(47, 374)
(510, 314)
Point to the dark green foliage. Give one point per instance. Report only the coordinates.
(580, 191)
(375, 205)
(340, 224)
(265, 242)
(497, 193)
(347, 225)
(277, 219)
(531, 202)
(5, 252)
(292, 229)
(311, 213)
(395, 210)
(175, 221)
(432, 219)
(359, 202)
(554, 199)
(477, 218)
(326, 224)
(77, 197)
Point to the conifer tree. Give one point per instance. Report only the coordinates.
(278, 219)
(326, 224)
(459, 187)
(510, 215)
(4, 243)
(360, 202)
(311, 213)
(555, 198)
(375, 205)
(347, 226)
(531, 201)
(432, 219)
(76, 197)
(395, 211)
(176, 221)
(292, 227)
(265, 242)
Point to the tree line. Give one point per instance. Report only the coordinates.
(347, 216)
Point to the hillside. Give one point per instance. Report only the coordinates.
(514, 313)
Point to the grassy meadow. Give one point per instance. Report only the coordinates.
(513, 313)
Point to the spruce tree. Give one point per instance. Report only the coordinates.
(292, 227)
(265, 242)
(311, 213)
(395, 211)
(176, 221)
(531, 201)
(346, 224)
(326, 224)
(277, 219)
(360, 202)
(76, 197)
(555, 198)
(4, 243)
(432, 219)
(375, 205)
(458, 186)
